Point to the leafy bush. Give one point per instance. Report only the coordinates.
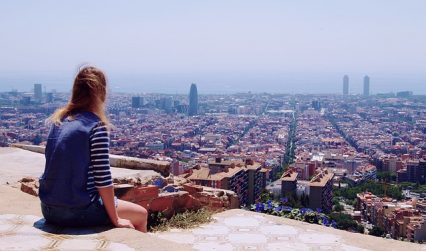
(377, 231)
(345, 222)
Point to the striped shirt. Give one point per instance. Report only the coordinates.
(99, 174)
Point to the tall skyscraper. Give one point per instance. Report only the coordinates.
(193, 100)
(49, 97)
(366, 86)
(38, 92)
(168, 104)
(345, 85)
(137, 102)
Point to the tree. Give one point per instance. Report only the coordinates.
(360, 229)
(344, 221)
(338, 208)
(386, 176)
(377, 231)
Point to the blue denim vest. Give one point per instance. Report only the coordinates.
(64, 180)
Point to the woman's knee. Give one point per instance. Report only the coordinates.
(143, 213)
(129, 209)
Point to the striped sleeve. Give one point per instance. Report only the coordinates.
(99, 156)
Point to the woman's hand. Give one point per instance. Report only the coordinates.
(123, 223)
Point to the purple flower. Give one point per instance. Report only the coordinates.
(259, 207)
(284, 200)
(286, 209)
(305, 210)
(319, 210)
(269, 204)
(334, 224)
(278, 209)
(170, 189)
(325, 221)
(158, 183)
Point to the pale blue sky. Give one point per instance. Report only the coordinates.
(223, 46)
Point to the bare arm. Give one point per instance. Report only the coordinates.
(100, 169)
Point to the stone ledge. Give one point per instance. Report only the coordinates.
(162, 167)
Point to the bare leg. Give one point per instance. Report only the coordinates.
(135, 213)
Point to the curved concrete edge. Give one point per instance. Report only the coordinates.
(162, 167)
(364, 241)
(31, 148)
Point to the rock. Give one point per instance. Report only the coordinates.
(220, 193)
(30, 185)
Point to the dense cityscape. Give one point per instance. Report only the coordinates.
(359, 158)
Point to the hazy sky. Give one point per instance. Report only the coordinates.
(223, 46)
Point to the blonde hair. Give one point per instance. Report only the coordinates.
(88, 94)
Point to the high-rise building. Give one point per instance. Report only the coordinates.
(366, 86)
(49, 97)
(289, 182)
(168, 104)
(193, 100)
(38, 92)
(321, 191)
(243, 177)
(316, 104)
(345, 85)
(137, 102)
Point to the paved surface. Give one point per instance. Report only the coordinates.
(21, 163)
(22, 228)
(28, 232)
(243, 230)
(22, 225)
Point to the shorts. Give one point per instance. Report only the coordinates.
(92, 215)
(115, 201)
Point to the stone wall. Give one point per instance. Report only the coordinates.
(165, 197)
(171, 198)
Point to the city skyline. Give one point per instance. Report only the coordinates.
(345, 88)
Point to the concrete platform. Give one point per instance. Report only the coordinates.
(244, 230)
(22, 228)
(21, 222)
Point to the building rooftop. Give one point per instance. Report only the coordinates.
(289, 175)
(321, 179)
(204, 173)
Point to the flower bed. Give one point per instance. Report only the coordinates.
(302, 214)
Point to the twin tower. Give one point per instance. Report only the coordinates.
(366, 90)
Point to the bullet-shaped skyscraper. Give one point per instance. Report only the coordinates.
(193, 100)
(366, 86)
(345, 85)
